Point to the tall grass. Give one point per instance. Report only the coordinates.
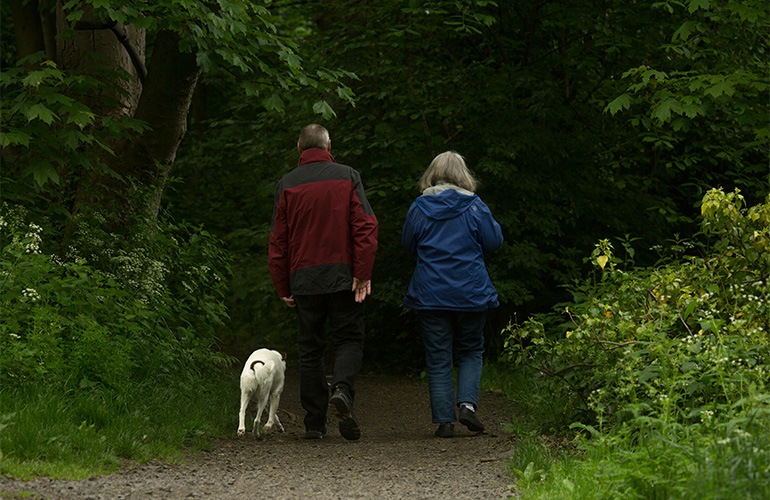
(646, 458)
(659, 466)
(76, 434)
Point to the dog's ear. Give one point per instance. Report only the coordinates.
(283, 356)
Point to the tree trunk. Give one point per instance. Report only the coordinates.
(164, 105)
(27, 27)
(161, 98)
(93, 35)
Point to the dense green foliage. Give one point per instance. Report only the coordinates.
(49, 134)
(666, 367)
(105, 351)
(581, 124)
(113, 310)
(584, 122)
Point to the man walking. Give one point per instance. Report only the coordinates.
(323, 240)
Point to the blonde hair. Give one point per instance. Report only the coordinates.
(313, 136)
(448, 168)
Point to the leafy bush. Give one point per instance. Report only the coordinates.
(113, 310)
(48, 132)
(667, 367)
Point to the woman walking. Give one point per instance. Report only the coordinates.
(450, 230)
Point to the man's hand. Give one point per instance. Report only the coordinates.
(361, 288)
(289, 301)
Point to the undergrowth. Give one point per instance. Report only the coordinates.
(107, 344)
(662, 371)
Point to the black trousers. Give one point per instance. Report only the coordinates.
(346, 332)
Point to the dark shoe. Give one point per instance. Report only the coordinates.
(315, 434)
(344, 407)
(445, 430)
(469, 419)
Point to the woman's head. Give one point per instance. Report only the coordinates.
(448, 168)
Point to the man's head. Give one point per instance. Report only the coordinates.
(314, 136)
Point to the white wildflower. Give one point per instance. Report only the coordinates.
(30, 294)
(33, 239)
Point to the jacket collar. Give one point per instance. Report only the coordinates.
(315, 155)
(440, 188)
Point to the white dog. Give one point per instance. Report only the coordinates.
(262, 379)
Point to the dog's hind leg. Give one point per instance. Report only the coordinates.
(260, 409)
(261, 404)
(275, 399)
(245, 398)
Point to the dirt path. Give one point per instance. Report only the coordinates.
(397, 457)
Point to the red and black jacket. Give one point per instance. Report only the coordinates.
(323, 231)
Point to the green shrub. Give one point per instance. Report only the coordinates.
(48, 133)
(668, 366)
(106, 353)
(113, 311)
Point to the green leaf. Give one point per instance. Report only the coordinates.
(663, 110)
(721, 88)
(273, 103)
(346, 93)
(684, 31)
(322, 108)
(40, 112)
(290, 58)
(619, 103)
(651, 74)
(81, 118)
(14, 138)
(649, 372)
(590, 428)
(36, 78)
(689, 309)
(698, 4)
(251, 88)
(43, 172)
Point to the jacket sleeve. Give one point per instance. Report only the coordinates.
(364, 231)
(278, 252)
(489, 230)
(409, 232)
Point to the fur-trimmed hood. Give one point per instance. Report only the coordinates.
(445, 201)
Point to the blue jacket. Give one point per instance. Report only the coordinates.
(450, 230)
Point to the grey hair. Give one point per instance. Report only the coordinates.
(448, 168)
(313, 136)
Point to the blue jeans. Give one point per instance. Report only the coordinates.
(452, 337)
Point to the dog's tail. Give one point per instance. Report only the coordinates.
(262, 369)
